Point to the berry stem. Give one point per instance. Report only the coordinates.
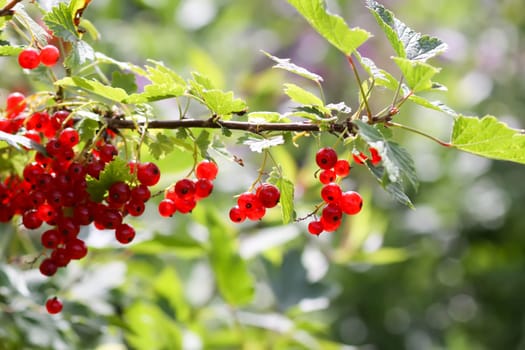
(359, 82)
(419, 132)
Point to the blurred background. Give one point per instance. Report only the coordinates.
(448, 275)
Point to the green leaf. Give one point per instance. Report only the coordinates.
(60, 21)
(417, 74)
(165, 83)
(259, 144)
(124, 81)
(223, 103)
(81, 52)
(231, 273)
(488, 137)
(266, 117)
(116, 170)
(332, 27)
(37, 32)
(382, 256)
(406, 42)
(286, 64)
(160, 144)
(19, 141)
(381, 77)
(286, 187)
(7, 50)
(203, 141)
(206, 64)
(150, 328)
(95, 87)
(87, 128)
(435, 105)
(301, 96)
(168, 285)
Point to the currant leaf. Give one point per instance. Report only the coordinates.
(60, 21)
(417, 74)
(95, 87)
(168, 285)
(116, 170)
(7, 50)
(286, 64)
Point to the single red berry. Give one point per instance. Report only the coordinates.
(315, 227)
(31, 220)
(326, 176)
(29, 58)
(326, 158)
(268, 195)
(167, 207)
(107, 152)
(50, 239)
(330, 225)
(332, 213)
(54, 147)
(135, 207)
(206, 170)
(247, 201)
(61, 257)
(49, 55)
(185, 188)
(256, 213)
(124, 233)
(119, 192)
(185, 206)
(203, 188)
(140, 192)
(69, 137)
(15, 104)
(376, 158)
(342, 168)
(331, 193)
(53, 305)
(77, 249)
(48, 267)
(359, 157)
(351, 202)
(148, 173)
(237, 214)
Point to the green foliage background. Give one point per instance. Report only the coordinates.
(448, 275)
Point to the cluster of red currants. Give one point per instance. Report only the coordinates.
(30, 58)
(53, 186)
(253, 205)
(183, 195)
(335, 201)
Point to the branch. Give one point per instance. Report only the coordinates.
(7, 10)
(230, 125)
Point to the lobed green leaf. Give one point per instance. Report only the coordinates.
(286, 187)
(116, 170)
(286, 64)
(417, 74)
(222, 103)
(301, 96)
(7, 50)
(60, 21)
(332, 27)
(488, 137)
(95, 87)
(406, 42)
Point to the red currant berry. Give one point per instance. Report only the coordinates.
(31, 220)
(48, 267)
(326, 158)
(326, 176)
(141, 193)
(268, 195)
(185, 189)
(49, 55)
(185, 206)
(15, 104)
(376, 158)
(69, 137)
(77, 249)
(351, 202)
(61, 257)
(331, 193)
(206, 170)
(124, 233)
(315, 227)
(359, 157)
(119, 193)
(107, 152)
(29, 58)
(237, 215)
(167, 207)
(50, 239)
(256, 213)
(203, 188)
(148, 174)
(53, 306)
(135, 207)
(332, 213)
(329, 225)
(342, 168)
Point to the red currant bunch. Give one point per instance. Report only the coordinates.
(253, 205)
(30, 58)
(335, 201)
(183, 195)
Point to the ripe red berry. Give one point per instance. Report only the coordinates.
(49, 55)
(203, 188)
(69, 137)
(119, 193)
(167, 207)
(237, 215)
(326, 158)
(107, 152)
(330, 225)
(140, 192)
(61, 257)
(331, 193)
(268, 195)
(124, 233)
(351, 202)
(50, 239)
(206, 170)
(48, 267)
(342, 168)
(31, 220)
(29, 58)
(332, 213)
(135, 207)
(315, 227)
(247, 201)
(77, 249)
(185, 189)
(185, 206)
(15, 104)
(326, 176)
(148, 174)
(53, 305)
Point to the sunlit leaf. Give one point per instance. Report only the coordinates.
(168, 285)
(95, 87)
(19, 141)
(435, 105)
(417, 74)
(332, 27)
(286, 64)
(223, 103)
(60, 21)
(488, 137)
(7, 50)
(301, 96)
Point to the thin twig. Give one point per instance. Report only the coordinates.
(419, 132)
(358, 79)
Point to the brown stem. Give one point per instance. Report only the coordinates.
(7, 10)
